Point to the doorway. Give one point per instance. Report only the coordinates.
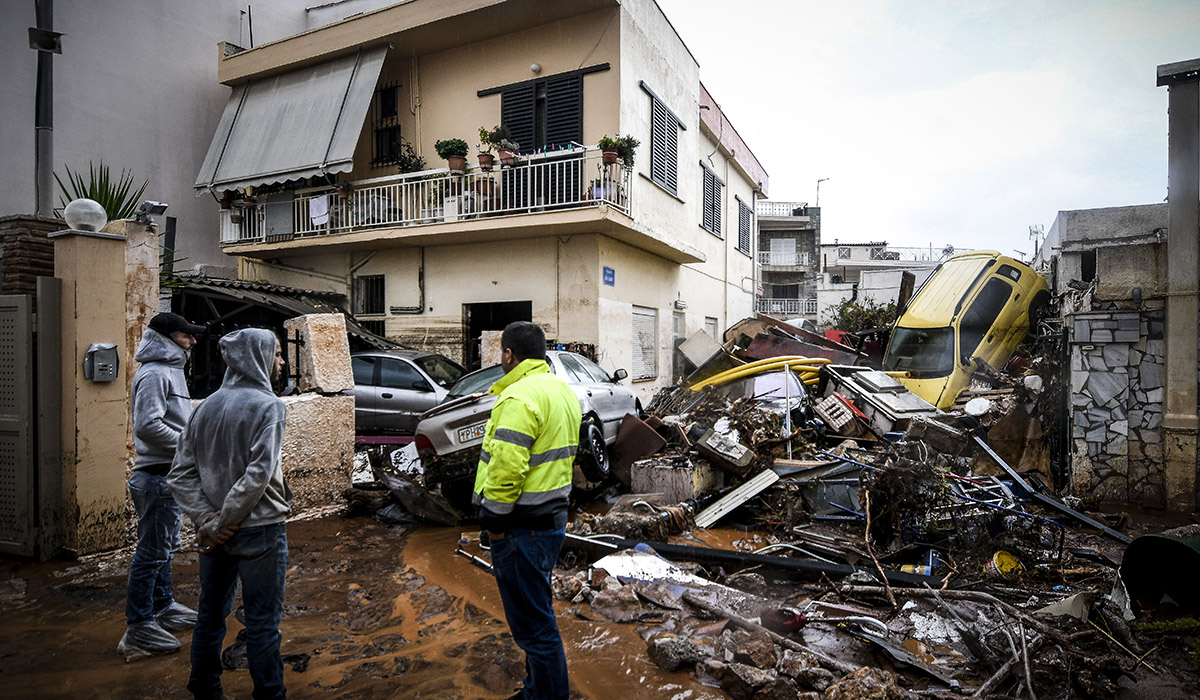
(491, 316)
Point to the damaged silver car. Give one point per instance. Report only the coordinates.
(449, 435)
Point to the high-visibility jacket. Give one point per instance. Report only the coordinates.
(529, 445)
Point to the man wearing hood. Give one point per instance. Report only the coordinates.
(161, 406)
(228, 479)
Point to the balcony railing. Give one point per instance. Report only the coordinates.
(782, 259)
(545, 182)
(768, 208)
(786, 308)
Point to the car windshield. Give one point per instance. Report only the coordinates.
(926, 352)
(478, 381)
(443, 371)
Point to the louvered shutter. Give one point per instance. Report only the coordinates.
(564, 110)
(645, 343)
(744, 231)
(664, 147)
(516, 114)
(712, 203)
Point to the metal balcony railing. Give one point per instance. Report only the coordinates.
(767, 208)
(558, 180)
(781, 259)
(786, 308)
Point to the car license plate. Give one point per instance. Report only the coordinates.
(471, 432)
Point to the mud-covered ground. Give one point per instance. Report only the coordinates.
(384, 612)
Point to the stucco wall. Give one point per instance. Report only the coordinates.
(135, 87)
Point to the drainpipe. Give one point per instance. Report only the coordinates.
(1180, 421)
(44, 115)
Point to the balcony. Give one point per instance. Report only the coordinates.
(786, 308)
(769, 208)
(573, 179)
(779, 261)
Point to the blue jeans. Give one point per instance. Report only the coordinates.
(522, 562)
(149, 588)
(258, 557)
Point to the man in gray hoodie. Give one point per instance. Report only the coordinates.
(161, 406)
(228, 479)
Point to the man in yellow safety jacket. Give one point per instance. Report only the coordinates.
(522, 487)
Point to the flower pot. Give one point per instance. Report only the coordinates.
(486, 162)
(457, 163)
(235, 218)
(610, 157)
(508, 157)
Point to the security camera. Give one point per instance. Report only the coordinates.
(148, 209)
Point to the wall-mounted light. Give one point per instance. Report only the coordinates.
(680, 304)
(85, 215)
(535, 67)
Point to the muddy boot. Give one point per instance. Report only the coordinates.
(177, 617)
(146, 639)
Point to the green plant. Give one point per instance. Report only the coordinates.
(485, 140)
(625, 146)
(451, 147)
(116, 196)
(853, 316)
(407, 159)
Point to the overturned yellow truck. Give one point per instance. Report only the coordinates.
(975, 307)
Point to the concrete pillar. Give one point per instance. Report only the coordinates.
(95, 415)
(1180, 419)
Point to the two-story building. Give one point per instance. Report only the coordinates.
(860, 271)
(789, 238)
(626, 260)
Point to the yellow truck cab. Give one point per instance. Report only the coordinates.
(974, 305)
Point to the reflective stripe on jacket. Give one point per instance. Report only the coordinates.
(530, 441)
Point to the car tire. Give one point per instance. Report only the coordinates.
(593, 452)
(459, 493)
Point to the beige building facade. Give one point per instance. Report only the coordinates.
(625, 261)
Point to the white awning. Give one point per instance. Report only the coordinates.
(294, 125)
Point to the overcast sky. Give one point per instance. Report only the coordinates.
(939, 122)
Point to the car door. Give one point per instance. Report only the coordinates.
(403, 395)
(365, 393)
(600, 390)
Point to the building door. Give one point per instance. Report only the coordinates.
(17, 460)
(491, 316)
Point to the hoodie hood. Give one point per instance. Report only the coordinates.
(156, 347)
(249, 354)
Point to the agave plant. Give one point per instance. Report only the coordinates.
(118, 197)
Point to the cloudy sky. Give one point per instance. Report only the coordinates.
(939, 122)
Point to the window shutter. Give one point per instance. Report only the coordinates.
(744, 230)
(664, 147)
(645, 343)
(516, 114)
(564, 110)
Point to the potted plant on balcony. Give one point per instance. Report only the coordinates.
(455, 153)
(487, 160)
(507, 148)
(618, 147)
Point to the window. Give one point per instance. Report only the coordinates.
(364, 369)
(544, 112)
(713, 198)
(385, 126)
(783, 251)
(597, 372)
(844, 253)
(710, 327)
(664, 148)
(368, 294)
(576, 370)
(978, 320)
(645, 343)
(376, 327)
(400, 375)
(744, 224)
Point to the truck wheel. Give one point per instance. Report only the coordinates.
(593, 453)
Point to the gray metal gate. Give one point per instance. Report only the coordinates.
(18, 466)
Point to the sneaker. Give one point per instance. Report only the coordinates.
(177, 617)
(146, 639)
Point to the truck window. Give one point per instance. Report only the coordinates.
(926, 352)
(978, 319)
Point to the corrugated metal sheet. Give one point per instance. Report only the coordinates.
(293, 125)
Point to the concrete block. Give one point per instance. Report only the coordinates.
(489, 348)
(318, 449)
(675, 483)
(323, 358)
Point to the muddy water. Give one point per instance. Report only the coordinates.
(382, 612)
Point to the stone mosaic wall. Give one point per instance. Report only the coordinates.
(1117, 391)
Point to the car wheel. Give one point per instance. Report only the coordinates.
(593, 453)
(459, 493)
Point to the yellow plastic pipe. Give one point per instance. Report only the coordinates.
(802, 366)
